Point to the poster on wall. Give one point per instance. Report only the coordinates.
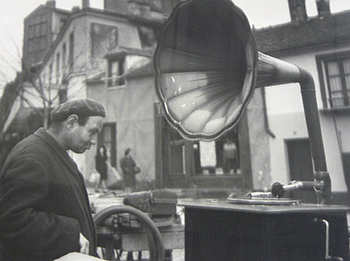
(207, 153)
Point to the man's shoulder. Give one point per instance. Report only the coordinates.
(29, 145)
(26, 142)
(27, 150)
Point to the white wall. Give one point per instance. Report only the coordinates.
(286, 120)
(85, 65)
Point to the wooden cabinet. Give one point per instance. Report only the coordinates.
(226, 231)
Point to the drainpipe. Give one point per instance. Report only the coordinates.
(266, 120)
(272, 71)
(308, 92)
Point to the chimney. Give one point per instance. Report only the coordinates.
(75, 8)
(51, 3)
(85, 4)
(323, 8)
(297, 11)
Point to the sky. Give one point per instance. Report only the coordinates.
(260, 13)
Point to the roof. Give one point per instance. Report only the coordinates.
(315, 32)
(90, 12)
(141, 69)
(145, 69)
(130, 51)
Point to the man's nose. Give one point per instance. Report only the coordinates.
(94, 140)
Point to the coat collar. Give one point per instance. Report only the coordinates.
(60, 151)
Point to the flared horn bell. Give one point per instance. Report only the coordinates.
(206, 65)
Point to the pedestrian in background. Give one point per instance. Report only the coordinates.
(44, 207)
(101, 167)
(129, 169)
(230, 157)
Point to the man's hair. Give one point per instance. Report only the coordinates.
(82, 120)
(58, 123)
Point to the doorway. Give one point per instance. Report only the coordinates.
(107, 137)
(175, 158)
(301, 167)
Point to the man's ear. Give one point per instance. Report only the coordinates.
(72, 121)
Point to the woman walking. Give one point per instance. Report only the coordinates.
(101, 167)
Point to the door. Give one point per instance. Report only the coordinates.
(107, 137)
(174, 148)
(346, 167)
(300, 167)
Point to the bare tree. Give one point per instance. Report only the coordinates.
(40, 91)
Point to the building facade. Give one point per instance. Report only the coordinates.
(108, 55)
(320, 45)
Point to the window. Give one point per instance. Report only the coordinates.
(116, 72)
(104, 38)
(58, 57)
(64, 55)
(220, 157)
(334, 74)
(36, 37)
(62, 22)
(50, 74)
(71, 52)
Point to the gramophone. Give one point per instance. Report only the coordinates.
(207, 67)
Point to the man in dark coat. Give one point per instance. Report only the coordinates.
(127, 164)
(44, 206)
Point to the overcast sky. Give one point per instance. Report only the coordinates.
(260, 13)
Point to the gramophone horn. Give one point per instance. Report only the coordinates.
(206, 63)
(207, 67)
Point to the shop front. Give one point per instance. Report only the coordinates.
(213, 167)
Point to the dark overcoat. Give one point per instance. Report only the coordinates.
(43, 202)
(101, 165)
(127, 165)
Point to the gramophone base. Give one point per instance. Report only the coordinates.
(224, 231)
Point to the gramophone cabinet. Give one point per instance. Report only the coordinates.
(225, 231)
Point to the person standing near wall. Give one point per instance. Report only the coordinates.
(129, 169)
(101, 167)
(230, 157)
(44, 207)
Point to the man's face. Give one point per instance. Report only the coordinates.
(83, 137)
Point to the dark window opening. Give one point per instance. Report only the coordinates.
(104, 39)
(334, 71)
(220, 157)
(71, 52)
(116, 72)
(58, 75)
